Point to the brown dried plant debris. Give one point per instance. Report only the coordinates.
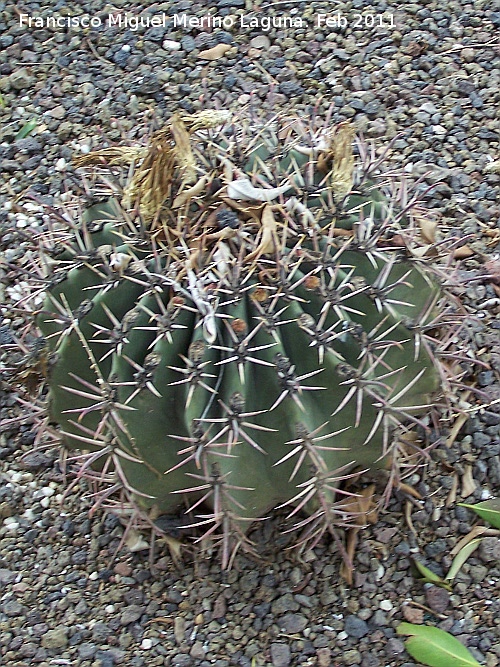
(166, 162)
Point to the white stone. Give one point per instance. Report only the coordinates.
(260, 42)
(428, 107)
(171, 45)
(9, 521)
(31, 206)
(21, 220)
(12, 527)
(439, 129)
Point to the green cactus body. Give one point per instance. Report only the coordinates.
(229, 372)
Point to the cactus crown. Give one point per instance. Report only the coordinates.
(227, 332)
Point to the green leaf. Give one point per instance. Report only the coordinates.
(26, 129)
(461, 557)
(489, 511)
(429, 577)
(2, 101)
(436, 648)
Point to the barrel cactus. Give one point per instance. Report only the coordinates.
(230, 331)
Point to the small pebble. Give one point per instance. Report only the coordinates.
(437, 598)
(260, 42)
(386, 605)
(280, 655)
(171, 45)
(293, 623)
(355, 627)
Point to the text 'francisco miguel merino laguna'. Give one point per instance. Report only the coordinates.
(136, 22)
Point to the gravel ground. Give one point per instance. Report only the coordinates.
(430, 71)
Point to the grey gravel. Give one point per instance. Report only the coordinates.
(293, 623)
(489, 550)
(432, 85)
(56, 638)
(280, 655)
(356, 627)
(437, 598)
